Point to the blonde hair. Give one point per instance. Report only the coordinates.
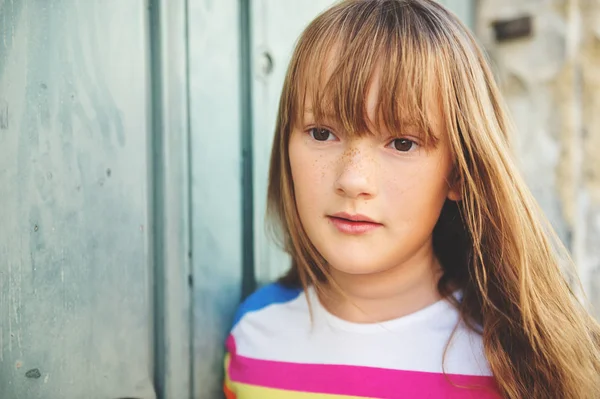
(494, 244)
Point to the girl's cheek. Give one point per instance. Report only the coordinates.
(322, 167)
(399, 180)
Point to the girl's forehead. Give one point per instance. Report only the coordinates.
(375, 109)
(382, 68)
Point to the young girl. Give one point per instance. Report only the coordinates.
(421, 265)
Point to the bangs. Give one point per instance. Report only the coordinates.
(390, 46)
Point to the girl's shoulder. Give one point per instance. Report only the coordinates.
(271, 298)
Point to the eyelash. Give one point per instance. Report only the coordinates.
(413, 144)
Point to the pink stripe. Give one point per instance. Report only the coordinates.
(357, 381)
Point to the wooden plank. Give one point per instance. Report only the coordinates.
(216, 188)
(75, 297)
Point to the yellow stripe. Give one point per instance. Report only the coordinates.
(244, 391)
(228, 382)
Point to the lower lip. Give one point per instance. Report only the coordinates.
(351, 227)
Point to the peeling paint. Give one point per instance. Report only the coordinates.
(33, 373)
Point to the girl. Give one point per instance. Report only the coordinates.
(421, 265)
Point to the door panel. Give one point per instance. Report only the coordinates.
(216, 184)
(75, 280)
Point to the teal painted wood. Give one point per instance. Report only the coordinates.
(75, 243)
(216, 186)
(170, 199)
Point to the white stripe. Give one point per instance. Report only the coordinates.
(284, 332)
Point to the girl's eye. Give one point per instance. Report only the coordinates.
(321, 134)
(403, 145)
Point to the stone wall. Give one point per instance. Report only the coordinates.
(551, 80)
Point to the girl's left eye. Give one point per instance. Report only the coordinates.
(403, 145)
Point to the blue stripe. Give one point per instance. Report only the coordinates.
(268, 295)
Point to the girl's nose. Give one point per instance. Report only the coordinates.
(357, 165)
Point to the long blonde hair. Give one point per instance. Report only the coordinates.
(494, 245)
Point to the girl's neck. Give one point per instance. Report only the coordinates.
(385, 295)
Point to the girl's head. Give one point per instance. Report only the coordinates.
(389, 113)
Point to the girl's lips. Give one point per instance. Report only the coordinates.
(354, 227)
(353, 218)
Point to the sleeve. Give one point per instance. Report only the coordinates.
(263, 297)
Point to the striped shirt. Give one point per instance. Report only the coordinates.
(276, 351)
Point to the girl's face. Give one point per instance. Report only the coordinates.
(370, 203)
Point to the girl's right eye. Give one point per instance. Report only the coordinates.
(320, 134)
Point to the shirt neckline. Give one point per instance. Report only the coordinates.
(430, 312)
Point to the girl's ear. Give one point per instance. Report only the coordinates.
(455, 185)
(455, 193)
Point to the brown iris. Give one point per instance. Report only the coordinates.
(320, 134)
(403, 145)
